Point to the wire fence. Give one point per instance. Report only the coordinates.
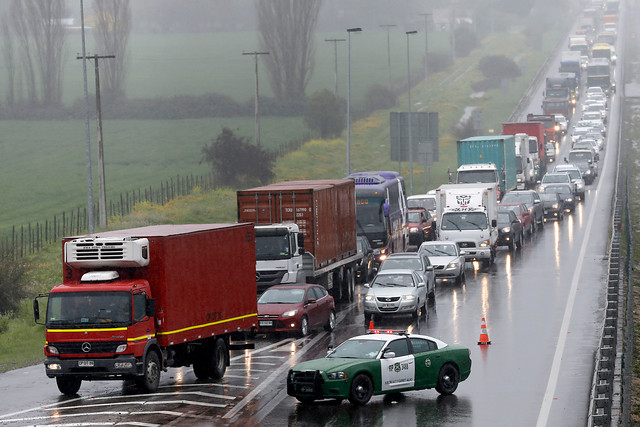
(29, 238)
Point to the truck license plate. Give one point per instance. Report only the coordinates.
(85, 363)
(265, 323)
(306, 389)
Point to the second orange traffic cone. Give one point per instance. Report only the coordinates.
(484, 336)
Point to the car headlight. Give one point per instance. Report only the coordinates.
(452, 266)
(290, 313)
(506, 230)
(587, 172)
(408, 297)
(570, 199)
(368, 298)
(413, 229)
(337, 375)
(555, 206)
(519, 180)
(556, 128)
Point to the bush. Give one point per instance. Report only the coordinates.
(498, 67)
(324, 114)
(438, 61)
(237, 163)
(378, 97)
(12, 287)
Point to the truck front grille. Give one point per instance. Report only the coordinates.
(94, 347)
(467, 244)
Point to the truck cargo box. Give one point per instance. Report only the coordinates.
(202, 276)
(324, 210)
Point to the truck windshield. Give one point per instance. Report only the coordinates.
(83, 309)
(273, 247)
(475, 176)
(464, 221)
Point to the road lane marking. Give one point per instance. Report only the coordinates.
(545, 408)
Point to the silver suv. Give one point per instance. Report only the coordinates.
(576, 178)
(532, 200)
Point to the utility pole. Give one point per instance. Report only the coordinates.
(90, 219)
(257, 99)
(426, 43)
(388, 26)
(335, 62)
(102, 205)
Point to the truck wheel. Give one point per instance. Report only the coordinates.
(348, 286)
(219, 357)
(150, 381)
(68, 385)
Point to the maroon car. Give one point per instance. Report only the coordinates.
(295, 308)
(523, 214)
(421, 227)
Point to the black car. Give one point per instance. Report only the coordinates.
(365, 269)
(566, 193)
(531, 198)
(510, 231)
(552, 206)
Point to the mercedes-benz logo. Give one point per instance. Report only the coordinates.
(257, 276)
(86, 347)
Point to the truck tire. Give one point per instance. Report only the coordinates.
(68, 385)
(219, 357)
(150, 381)
(348, 285)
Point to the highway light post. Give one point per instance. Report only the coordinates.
(388, 26)
(426, 43)
(256, 95)
(335, 63)
(408, 33)
(90, 218)
(349, 31)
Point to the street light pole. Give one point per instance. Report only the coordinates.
(388, 26)
(426, 43)
(349, 31)
(335, 63)
(257, 99)
(408, 33)
(90, 218)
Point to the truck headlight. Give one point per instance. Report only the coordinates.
(555, 206)
(570, 199)
(290, 313)
(121, 348)
(337, 375)
(52, 349)
(485, 244)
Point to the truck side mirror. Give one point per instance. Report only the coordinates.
(36, 310)
(150, 307)
(494, 223)
(300, 244)
(385, 208)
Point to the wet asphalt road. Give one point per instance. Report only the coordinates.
(544, 309)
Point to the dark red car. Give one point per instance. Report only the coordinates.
(523, 214)
(421, 227)
(295, 308)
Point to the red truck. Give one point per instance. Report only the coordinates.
(134, 302)
(305, 233)
(536, 132)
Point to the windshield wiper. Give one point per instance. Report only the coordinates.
(454, 224)
(477, 225)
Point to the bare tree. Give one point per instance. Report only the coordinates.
(9, 59)
(113, 27)
(38, 26)
(286, 32)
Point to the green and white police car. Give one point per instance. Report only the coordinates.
(380, 363)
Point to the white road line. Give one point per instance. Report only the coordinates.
(203, 385)
(279, 343)
(283, 368)
(545, 409)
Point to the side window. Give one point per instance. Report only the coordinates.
(315, 293)
(399, 347)
(320, 292)
(139, 307)
(421, 345)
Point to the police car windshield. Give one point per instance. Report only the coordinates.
(358, 349)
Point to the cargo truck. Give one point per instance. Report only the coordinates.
(570, 63)
(525, 173)
(305, 233)
(467, 215)
(535, 130)
(486, 159)
(135, 302)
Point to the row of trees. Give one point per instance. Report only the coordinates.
(34, 36)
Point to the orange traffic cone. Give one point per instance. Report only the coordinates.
(371, 328)
(484, 337)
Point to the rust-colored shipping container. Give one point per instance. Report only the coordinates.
(324, 210)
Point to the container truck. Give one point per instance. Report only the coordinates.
(537, 147)
(525, 173)
(135, 302)
(305, 233)
(570, 63)
(467, 214)
(488, 159)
